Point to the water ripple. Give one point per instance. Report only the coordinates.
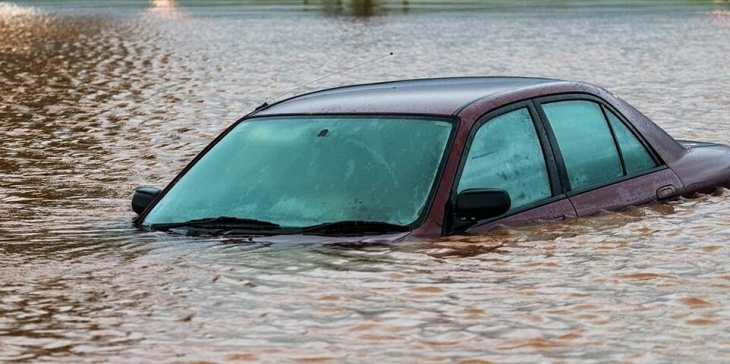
(97, 104)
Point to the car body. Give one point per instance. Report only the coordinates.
(472, 153)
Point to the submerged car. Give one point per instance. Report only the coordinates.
(428, 158)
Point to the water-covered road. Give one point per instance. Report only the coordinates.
(97, 98)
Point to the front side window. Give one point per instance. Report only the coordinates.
(585, 141)
(302, 171)
(505, 153)
(636, 157)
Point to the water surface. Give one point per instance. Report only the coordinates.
(97, 98)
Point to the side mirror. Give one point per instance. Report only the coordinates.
(143, 197)
(482, 203)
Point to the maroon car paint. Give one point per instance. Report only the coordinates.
(635, 191)
(553, 211)
(703, 168)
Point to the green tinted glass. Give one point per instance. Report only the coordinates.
(636, 157)
(585, 141)
(299, 171)
(506, 154)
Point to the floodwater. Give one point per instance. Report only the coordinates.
(99, 97)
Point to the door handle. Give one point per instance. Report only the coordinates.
(665, 192)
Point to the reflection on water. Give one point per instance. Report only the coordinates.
(96, 105)
(722, 15)
(373, 8)
(363, 8)
(165, 9)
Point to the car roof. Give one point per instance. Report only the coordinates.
(437, 96)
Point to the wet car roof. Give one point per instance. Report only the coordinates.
(439, 96)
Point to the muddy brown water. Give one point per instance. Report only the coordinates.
(97, 99)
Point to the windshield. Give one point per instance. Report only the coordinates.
(303, 171)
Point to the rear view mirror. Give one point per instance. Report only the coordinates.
(482, 203)
(143, 197)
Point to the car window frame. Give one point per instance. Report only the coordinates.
(454, 120)
(635, 133)
(604, 106)
(551, 164)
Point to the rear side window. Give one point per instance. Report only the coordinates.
(585, 141)
(506, 153)
(636, 157)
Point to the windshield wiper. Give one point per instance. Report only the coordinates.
(354, 226)
(220, 222)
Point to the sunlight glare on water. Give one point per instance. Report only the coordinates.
(98, 98)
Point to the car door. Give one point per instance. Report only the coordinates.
(603, 162)
(509, 149)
